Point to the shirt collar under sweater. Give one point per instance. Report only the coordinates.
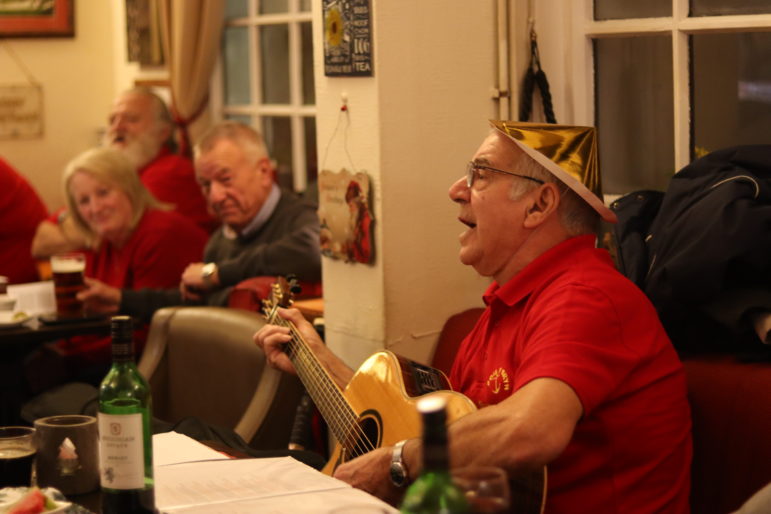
(259, 219)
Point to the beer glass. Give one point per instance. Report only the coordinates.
(486, 488)
(17, 452)
(68, 270)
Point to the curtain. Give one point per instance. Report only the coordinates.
(190, 32)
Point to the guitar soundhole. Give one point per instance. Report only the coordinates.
(366, 437)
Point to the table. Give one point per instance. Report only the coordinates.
(311, 308)
(34, 331)
(240, 485)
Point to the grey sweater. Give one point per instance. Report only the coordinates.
(287, 243)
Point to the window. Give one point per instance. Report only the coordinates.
(266, 81)
(667, 81)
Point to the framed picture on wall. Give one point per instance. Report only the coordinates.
(37, 18)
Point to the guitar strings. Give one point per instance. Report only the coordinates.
(342, 406)
(351, 430)
(346, 428)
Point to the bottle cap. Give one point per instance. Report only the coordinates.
(121, 328)
(122, 332)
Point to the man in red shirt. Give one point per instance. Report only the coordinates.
(20, 212)
(140, 125)
(569, 364)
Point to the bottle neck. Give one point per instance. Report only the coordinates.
(435, 452)
(123, 351)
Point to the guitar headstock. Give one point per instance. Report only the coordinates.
(281, 294)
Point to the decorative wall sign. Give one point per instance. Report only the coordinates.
(21, 111)
(143, 33)
(346, 221)
(37, 18)
(347, 38)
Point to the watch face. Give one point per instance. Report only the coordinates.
(398, 476)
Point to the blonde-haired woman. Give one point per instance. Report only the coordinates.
(141, 243)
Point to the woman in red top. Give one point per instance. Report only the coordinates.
(142, 244)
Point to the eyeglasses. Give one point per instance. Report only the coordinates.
(472, 172)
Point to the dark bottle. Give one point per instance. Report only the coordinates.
(125, 437)
(433, 492)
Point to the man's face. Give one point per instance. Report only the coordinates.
(134, 128)
(234, 188)
(494, 230)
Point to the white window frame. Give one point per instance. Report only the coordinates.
(295, 110)
(679, 26)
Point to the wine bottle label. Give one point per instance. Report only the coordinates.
(121, 451)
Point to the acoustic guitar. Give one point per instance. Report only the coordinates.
(378, 406)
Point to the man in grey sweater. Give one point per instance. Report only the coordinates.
(265, 231)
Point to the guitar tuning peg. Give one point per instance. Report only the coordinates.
(294, 287)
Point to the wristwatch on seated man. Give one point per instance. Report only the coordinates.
(207, 272)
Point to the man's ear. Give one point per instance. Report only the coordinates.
(166, 131)
(265, 169)
(544, 201)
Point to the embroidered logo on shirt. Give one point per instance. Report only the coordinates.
(498, 380)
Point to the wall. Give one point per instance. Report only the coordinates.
(414, 125)
(78, 85)
(80, 78)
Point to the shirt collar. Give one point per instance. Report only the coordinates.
(540, 270)
(264, 213)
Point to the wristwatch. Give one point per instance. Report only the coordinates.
(398, 471)
(207, 271)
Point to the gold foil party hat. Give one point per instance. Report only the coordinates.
(568, 152)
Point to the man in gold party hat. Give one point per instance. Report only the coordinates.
(568, 364)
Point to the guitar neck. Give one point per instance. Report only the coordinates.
(327, 396)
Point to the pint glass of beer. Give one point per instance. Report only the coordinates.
(67, 269)
(17, 452)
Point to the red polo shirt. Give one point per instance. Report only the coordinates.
(171, 179)
(570, 315)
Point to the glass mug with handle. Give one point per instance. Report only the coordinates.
(67, 269)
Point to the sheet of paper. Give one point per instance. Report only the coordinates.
(34, 298)
(173, 448)
(245, 483)
(319, 502)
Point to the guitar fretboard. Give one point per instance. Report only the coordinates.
(335, 409)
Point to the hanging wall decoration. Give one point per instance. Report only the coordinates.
(347, 38)
(346, 220)
(21, 111)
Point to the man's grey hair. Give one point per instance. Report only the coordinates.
(245, 137)
(577, 216)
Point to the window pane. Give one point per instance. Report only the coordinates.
(311, 157)
(635, 112)
(274, 59)
(236, 65)
(305, 5)
(243, 118)
(278, 137)
(621, 9)
(309, 94)
(236, 9)
(718, 7)
(731, 90)
(273, 6)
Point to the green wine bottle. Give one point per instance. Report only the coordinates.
(125, 437)
(433, 492)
